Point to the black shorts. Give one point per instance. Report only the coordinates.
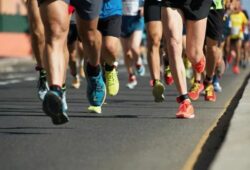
(86, 9)
(73, 33)
(110, 26)
(192, 9)
(152, 10)
(215, 25)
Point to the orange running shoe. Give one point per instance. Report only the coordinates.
(200, 66)
(196, 89)
(186, 110)
(236, 69)
(210, 93)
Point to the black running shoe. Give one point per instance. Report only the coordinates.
(53, 107)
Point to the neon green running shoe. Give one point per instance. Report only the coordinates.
(112, 82)
(158, 90)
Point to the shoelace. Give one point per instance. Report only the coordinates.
(111, 77)
(195, 87)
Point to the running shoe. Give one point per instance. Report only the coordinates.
(216, 84)
(210, 93)
(200, 66)
(158, 91)
(132, 82)
(76, 82)
(112, 82)
(64, 101)
(42, 85)
(169, 80)
(95, 109)
(195, 90)
(236, 69)
(96, 89)
(186, 110)
(53, 107)
(140, 70)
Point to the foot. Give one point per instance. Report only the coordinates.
(132, 82)
(210, 93)
(42, 85)
(236, 69)
(140, 70)
(96, 89)
(196, 89)
(168, 76)
(95, 109)
(186, 110)
(76, 82)
(53, 107)
(158, 91)
(112, 82)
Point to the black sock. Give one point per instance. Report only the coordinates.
(181, 98)
(93, 70)
(207, 81)
(197, 81)
(57, 89)
(108, 67)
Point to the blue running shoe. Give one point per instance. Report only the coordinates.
(96, 89)
(140, 70)
(53, 107)
(216, 84)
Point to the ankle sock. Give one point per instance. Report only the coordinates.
(93, 70)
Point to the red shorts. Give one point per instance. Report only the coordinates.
(71, 9)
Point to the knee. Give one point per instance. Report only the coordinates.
(56, 31)
(111, 48)
(193, 52)
(154, 41)
(91, 37)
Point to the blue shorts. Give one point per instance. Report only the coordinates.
(131, 24)
(246, 37)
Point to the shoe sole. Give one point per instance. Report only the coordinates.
(158, 91)
(52, 106)
(95, 109)
(183, 116)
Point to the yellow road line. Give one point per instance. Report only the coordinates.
(189, 164)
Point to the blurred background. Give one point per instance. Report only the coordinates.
(14, 30)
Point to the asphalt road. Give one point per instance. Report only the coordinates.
(132, 133)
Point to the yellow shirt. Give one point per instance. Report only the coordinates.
(237, 22)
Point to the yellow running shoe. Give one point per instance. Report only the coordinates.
(158, 91)
(112, 82)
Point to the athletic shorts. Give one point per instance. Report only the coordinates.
(215, 25)
(246, 37)
(110, 26)
(73, 33)
(86, 9)
(152, 10)
(131, 24)
(192, 9)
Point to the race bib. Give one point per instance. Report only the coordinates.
(130, 8)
